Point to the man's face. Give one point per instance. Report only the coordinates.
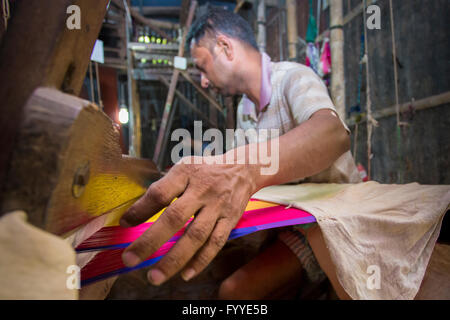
(215, 68)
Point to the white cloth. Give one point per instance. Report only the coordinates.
(369, 225)
(34, 262)
(296, 94)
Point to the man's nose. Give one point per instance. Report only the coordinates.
(204, 81)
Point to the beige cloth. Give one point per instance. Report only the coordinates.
(34, 262)
(392, 227)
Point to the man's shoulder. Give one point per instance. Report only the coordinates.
(286, 66)
(283, 68)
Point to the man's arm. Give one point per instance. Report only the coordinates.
(217, 195)
(309, 148)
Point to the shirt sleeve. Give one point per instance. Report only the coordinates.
(305, 94)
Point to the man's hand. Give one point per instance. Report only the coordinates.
(216, 194)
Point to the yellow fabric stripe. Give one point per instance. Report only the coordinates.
(115, 215)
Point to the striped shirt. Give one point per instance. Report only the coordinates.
(290, 94)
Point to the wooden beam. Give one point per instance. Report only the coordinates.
(169, 128)
(57, 57)
(153, 22)
(188, 103)
(67, 169)
(202, 91)
(422, 104)
(239, 5)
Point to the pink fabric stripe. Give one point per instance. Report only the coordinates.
(269, 215)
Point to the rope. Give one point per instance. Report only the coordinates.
(355, 141)
(6, 13)
(371, 122)
(394, 63)
(99, 92)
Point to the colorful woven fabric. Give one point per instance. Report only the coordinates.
(112, 240)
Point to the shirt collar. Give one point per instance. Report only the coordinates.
(266, 87)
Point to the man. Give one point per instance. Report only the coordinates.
(313, 144)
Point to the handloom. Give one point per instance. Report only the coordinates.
(68, 174)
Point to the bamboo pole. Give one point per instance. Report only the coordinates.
(201, 91)
(131, 123)
(292, 30)
(167, 133)
(173, 85)
(239, 5)
(99, 91)
(91, 81)
(262, 25)
(337, 56)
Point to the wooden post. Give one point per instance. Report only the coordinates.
(422, 104)
(291, 8)
(337, 57)
(212, 110)
(239, 5)
(262, 25)
(189, 103)
(173, 85)
(137, 131)
(57, 57)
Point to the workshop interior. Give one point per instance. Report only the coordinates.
(102, 101)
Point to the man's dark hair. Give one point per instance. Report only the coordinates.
(217, 20)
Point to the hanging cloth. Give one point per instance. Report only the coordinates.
(311, 33)
(325, 59)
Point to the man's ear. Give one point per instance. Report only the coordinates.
(224, 43)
